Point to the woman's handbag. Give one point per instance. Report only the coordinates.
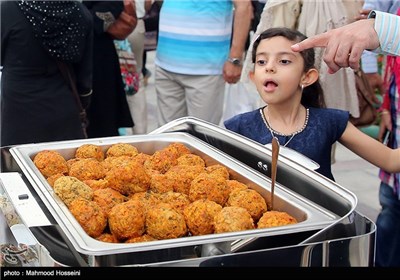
(366, 104)
(127, 62)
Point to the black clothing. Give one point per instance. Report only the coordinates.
(109, 108)
(37, 104)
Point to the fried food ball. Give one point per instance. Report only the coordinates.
(111, 162)
(234, 185)
(161, 160)
(127, 220)
(89, 215)
(97, 184)
(178, 201)
(163, 222)
(209, 186)
(87, 169)
(71, 161)
(90, 151)
(250, 200)
(178, 149)
(274, 219)
(161, 183)
(181, 176)
(218, 169)
(122, 149)
(108, 198)
(141, 158)
(128, 179)
(191, 159)
(233, 218)
(148, 199)
(107, 237)
(199, 216)
(50, 163)
(69, 188)
(143, 238)
(53, 178)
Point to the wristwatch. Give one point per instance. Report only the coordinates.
(235, 60)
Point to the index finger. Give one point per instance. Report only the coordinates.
(319, 40)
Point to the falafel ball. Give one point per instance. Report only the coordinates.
(122, 149)
(161, 183)
(50, 163)
(127, 220)
(89, 215)
(250, 200)
(218, 169)
(163, 222)
(53, 178)
(111, 162)
(128, 179)
(97, 184)
(107, 198)
(234, 185)
(87, 169)
(182, 176)
(191, 159)
(107, 237)
(143, 238)
(178, 201)
(275, 218)
(68, 188)
(233, 218)
(149, 199)
(199, 216)
(209, 186)
(90, 151)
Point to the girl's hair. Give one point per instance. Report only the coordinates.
(313, 94)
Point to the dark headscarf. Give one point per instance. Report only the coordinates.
(60, 26)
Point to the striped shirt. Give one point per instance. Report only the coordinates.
(393, 179)
(194, 36)
(387, 27)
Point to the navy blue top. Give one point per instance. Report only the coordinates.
(324, 128)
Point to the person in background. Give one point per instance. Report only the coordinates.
(137, 102)
(109, 108)
(388, 221)
(200, 47)
(345, 45)
(288, 82)
(37, 103)
(369, 60)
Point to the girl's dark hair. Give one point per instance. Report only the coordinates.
(313, 94)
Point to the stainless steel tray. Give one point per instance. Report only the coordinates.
(312, 216)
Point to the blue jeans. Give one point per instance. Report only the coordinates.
(388, 229)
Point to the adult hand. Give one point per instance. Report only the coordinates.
(375, 80)
(343, 45)
(385, 124)
(232, 72)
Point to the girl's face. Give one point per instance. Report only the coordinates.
(278, 71)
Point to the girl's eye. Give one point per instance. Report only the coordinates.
(285, 61)
(261, 62)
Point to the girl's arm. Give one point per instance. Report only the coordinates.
(370, 149)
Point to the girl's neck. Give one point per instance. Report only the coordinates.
(285, 120)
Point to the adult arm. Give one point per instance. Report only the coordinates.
(344, 45)
(243, 13)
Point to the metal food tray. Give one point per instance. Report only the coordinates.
(311, 216)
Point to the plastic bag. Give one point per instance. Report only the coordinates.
(239, 99)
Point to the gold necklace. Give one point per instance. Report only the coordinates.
(274, 132)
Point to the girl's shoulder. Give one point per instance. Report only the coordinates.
(329, 113)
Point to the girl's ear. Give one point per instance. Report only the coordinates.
(310, 77)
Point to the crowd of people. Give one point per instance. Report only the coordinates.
(300, 64)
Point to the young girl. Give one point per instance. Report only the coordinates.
(288, 83)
